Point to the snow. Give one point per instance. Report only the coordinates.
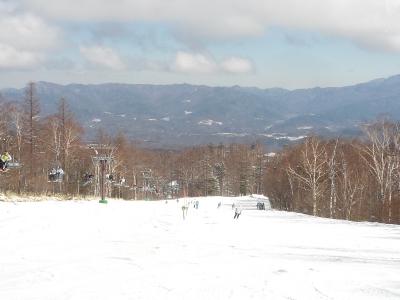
(305, 127)
(231, 134)
(209, 122)
(294, 138)
(266, 135)
(283, 136)
(290, 138)
(145, 250)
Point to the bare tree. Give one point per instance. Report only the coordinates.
(352, 183)
(332, 178)
(312, 170)
(31, 125)
(379, 156)
(16, 116)
(70, 133)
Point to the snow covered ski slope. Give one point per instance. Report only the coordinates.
(145, 250)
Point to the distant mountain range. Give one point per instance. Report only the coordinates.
(171, 116)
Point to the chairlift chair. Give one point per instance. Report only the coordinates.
(87, 179)
(56, 174)
(14, 165)
(11, 165)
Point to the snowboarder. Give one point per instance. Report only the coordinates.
(4, 159)
(238, 211)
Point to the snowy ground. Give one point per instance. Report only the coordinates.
(145, 250)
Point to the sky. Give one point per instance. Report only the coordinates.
(263, 43)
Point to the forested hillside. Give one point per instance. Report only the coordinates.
(338, 178)
(180, 115)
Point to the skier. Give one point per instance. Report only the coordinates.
(185, 208)
(238, 211)
(4, 159)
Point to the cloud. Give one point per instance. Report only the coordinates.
(7, 6)
(24, 38)
(369, 23)
(186, 62)
(193, 63)
(102, 57)
(27, 31)
(237, 65)
(11, 58)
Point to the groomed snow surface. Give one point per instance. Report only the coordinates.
(145, 250)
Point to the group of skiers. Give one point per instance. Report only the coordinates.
(261, 206)
(237, 208)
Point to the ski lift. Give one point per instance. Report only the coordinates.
(121, 183)
(14, 165)
(87, 179)
(9, 165)
(56, 174)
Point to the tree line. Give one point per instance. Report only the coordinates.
(40, 143)
(348, 179)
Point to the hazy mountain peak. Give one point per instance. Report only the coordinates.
(274, 116)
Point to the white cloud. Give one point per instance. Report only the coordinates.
(11, 58)
(193, 63)
(199, 63)
(102, 57)
(27, 31)
(367, 22)
(24, 38)
(237, 65)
